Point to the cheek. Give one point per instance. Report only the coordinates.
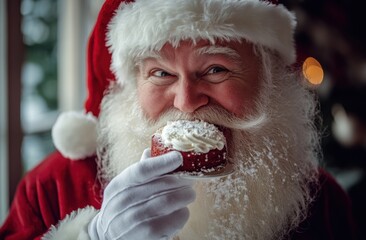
(151, 101)
(238, 99)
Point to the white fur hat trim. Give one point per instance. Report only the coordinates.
(74, 135)
(147, 25)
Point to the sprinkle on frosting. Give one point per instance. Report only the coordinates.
(197, 136)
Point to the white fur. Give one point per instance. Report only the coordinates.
(147, 25)
(73, 226)
(74, 135)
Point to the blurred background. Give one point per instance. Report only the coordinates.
(42, 72)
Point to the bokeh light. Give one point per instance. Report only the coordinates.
(313, 71)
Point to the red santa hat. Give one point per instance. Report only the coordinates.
(126, 30)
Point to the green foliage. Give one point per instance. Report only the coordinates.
(39, 29)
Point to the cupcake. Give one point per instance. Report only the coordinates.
(202, 145)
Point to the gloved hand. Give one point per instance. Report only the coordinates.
(144, 203)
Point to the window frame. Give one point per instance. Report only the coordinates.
(12, 133)
(4, 201)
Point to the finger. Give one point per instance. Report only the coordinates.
(160, 227)
(146, 154)
(151, 168)
(157, 205)
(137, 194)
(144, 171)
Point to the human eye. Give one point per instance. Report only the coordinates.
(216, 74)
(216, 69)
(161, 73)
(161, 77)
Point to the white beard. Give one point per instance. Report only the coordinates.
(275, 157)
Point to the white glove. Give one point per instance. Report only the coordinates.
(144, 203)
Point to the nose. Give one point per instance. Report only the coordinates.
(189, 96)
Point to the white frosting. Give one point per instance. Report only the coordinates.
(197, 136)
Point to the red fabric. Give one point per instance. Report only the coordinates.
(48, 193)
(99, 74)
(59, 186)
(99, 59)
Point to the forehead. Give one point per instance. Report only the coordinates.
(239, 50)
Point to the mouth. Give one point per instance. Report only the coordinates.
(227, 133)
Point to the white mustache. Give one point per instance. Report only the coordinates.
(213, 114)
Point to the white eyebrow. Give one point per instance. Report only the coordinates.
(215, 50)
(147, 54)
(206, 50)
(140, 58)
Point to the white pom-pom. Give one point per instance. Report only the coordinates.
(74, 135)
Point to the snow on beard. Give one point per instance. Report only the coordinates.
(274, 151)
(265, 198)
(124, 131)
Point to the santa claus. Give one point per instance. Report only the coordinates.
(149, 62)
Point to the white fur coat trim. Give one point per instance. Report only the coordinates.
(147, 25)
(73, 226)
(75, 135)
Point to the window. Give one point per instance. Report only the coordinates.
(54, 36)
(39, 102)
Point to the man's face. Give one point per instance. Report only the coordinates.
(228, 85)
(193, 76)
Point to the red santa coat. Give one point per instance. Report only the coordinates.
(48, 194)
(61, 189)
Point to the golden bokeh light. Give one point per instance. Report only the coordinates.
(313, 71)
